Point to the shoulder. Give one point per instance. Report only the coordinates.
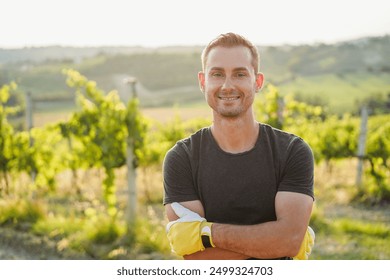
(277, 134)
(283, 140)
(189, 146)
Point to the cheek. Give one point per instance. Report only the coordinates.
(252, 87)
(210, 84)
(255, 88)
(213, 83)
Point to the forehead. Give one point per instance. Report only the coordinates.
(229, 58)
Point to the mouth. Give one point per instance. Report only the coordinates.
(229, 98)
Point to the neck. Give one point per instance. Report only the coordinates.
(235, 135)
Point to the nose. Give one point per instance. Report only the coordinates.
(227, 84)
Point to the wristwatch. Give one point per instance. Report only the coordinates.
(206, 236)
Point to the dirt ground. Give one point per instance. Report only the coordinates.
(17, 245)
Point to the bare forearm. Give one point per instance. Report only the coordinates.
(265, 241)
(216, 254)
(275, 239)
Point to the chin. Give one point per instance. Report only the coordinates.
(230, 114)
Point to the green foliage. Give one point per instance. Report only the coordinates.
(45, 151)
(378, 230)
(348, 238)
(150, 233)
(153, 148)
(105, 127)
(332, 137)
(17, 211)
(105, 231)
(337, 138)
(57, 226)
(160, 137)
(270, 107)
(378, 155)
(100, 119)
(377, 145)
(342, 92)
(137, 127)
(281, 112)
(377, 103)
(6, 135)
(318, 221)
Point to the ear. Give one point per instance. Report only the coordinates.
(259, 81)
(201, 79)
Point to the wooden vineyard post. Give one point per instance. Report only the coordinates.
(29, 124)
(131, 211)
(131, 183)
(361, 146)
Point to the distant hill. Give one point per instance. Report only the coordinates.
(340, 74)
(40, 54)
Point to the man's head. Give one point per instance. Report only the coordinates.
(230, 79)
(229, 40)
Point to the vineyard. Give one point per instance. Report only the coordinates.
(68, 180)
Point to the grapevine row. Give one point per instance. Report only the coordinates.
(96, 136)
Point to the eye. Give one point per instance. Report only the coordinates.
(241, 74)
(217, 74)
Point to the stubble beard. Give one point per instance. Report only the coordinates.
(225, 110)
(231, 113)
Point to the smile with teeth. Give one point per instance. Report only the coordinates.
(228, 98)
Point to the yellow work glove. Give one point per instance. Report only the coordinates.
(306, 246)
(190, 233)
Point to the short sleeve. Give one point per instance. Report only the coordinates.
(298, 172)
(178, 180)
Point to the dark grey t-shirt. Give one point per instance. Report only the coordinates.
(238, 188)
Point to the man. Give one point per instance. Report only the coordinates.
(245, 189)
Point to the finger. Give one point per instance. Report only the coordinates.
(180, 210)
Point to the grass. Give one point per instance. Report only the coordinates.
(20, 211)
(349, 238)
(357, 227)
(148, 237)
(79, 223)
(346, 230)
(58, 226)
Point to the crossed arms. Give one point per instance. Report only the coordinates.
(269, 240)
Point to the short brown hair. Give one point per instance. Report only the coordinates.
(229, 40)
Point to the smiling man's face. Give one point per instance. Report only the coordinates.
(229, 81)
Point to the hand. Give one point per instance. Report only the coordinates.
(187, 234)
(306, 246)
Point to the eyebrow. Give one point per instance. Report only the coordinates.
(234, 70)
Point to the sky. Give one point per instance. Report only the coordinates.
(156, 23)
